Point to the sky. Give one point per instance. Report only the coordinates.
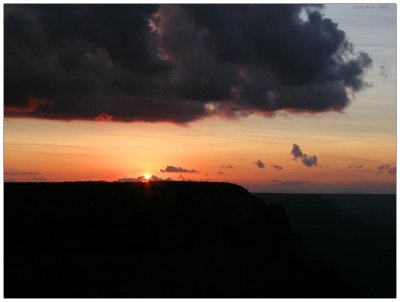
(276, 98)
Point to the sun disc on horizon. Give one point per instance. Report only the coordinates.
(147, 177)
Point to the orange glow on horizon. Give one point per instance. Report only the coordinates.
(41, 150)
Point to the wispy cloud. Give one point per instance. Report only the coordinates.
(387, 168)
(29, 176)
(142, 178)
(39, 179)
(227, 166)
(384, 71)
(275, 166)
(20, 173)
(355, 165)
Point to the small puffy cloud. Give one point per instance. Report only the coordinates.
(387, 168)
(220, 172)
(308, 161)
(227, 166)
(296, 151)
(155, 178)
(141, 178)
(172, 169)
(259, 164)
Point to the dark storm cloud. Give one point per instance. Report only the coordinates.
(308, 161)
(175, 63)
(172, 169)
(387, 168)
(259, 164)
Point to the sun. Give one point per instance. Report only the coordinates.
(147, 177)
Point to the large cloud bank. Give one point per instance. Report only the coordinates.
(175, 63)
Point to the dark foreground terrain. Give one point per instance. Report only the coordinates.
(156, 239)
(355, 232)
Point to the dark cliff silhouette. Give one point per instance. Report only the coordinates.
(155, 239)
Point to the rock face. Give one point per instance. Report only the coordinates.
(156, 239)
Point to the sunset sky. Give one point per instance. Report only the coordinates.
(274, 98)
